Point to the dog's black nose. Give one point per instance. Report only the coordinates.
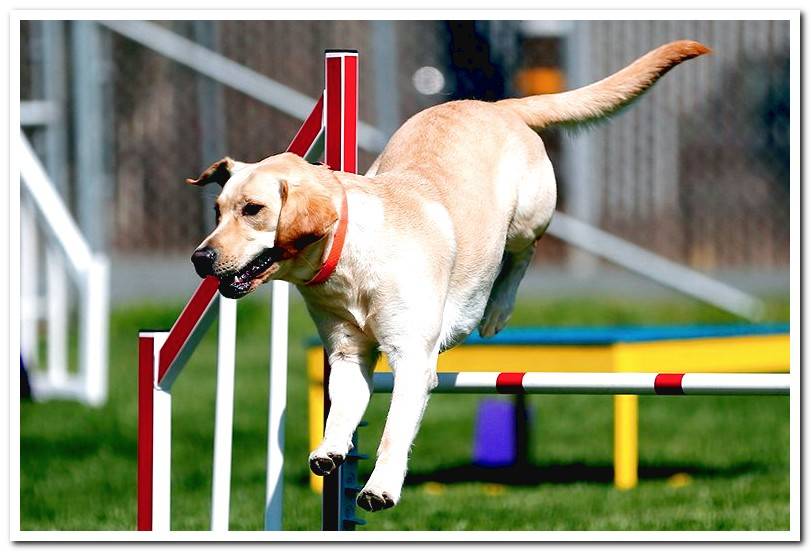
(203, 261)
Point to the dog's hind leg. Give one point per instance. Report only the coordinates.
(350, 387)
(535, 206)
(502, 297)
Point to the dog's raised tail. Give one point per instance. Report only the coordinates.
(604, 97)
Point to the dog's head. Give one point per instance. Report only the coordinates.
(267, 214)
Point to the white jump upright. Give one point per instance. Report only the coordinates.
(277, 405)
(224, 415)
(308, 143)
(162, 354)
(161, 442)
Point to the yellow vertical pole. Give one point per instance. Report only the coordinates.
(626, 441)
(315, 397)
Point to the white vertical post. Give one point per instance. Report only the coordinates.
(277, 404)
(94, 331)
(161, 447)
(57, 319)
(30, 305)
(224, 415)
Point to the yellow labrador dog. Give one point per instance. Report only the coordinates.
(408, 259)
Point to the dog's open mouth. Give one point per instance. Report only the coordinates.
(242, 282)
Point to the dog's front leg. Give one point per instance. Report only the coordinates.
(349, 387)
(414, 378)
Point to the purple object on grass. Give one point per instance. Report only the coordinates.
(494, 441)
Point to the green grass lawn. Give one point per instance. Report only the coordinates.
(706, 463)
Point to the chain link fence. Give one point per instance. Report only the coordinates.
(697, 170)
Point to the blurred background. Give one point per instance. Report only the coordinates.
(120, 112)
(697, 172)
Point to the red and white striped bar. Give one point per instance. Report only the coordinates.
(341, 154)
(602, 383)
(308, 136)
(193, 322)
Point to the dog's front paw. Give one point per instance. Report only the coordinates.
(324, 463)
(374, 500)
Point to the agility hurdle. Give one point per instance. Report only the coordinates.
(721, 349)
(331, 128)
(587, 383)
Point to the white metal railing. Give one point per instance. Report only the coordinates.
(89, 271)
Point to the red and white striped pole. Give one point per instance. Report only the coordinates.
(341, 145)
(602, 383)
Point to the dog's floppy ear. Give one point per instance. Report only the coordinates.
(219, 172)
(306, 216)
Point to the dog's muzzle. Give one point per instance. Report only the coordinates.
(237, 284)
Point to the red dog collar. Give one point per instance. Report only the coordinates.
(337, 245)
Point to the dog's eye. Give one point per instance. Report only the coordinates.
(252, 209)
